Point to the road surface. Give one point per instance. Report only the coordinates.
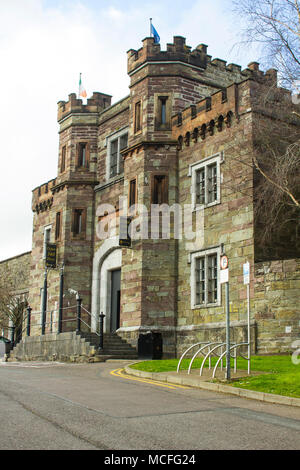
(93, 406)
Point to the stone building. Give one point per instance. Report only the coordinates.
(183, 137)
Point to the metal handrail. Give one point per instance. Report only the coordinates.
(191, 347)
(235, 346)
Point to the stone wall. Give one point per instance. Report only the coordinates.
(277, 304)
(16, 273)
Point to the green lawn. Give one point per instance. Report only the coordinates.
(283, 377)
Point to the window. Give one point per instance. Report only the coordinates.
(163, 111)
(82, 155)
(57, 226)
(115, 145)
(63, 159)
(137, 117)
(132, 193)
(47, 236)
(160, 189)
(205, 278)
(78, 222)
(205, 182)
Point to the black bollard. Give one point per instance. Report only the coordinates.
(101, 318)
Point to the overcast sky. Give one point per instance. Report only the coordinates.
(45, 44)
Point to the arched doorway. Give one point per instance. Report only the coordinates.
(106, 287)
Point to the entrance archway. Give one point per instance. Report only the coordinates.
(106, 285)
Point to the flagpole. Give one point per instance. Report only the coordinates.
(150, 27)
(79, 86)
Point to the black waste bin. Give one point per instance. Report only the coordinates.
(150, 345)
(5, 346)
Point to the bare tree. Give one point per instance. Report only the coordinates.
(275, 25)
(12, 303)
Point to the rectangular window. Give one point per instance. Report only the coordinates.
(77, 227)
(82, 154)
(115, 159)
(137, 117)
(57, 226)
(79, 222)
(63, 159)
(160, 189)
(163, 110)
(132, 193)
(205, 182)
(205, 278)
(47, 236)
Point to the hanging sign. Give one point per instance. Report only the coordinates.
(124, 236)
(50, 255)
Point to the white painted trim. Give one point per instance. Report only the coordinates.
(105, 249)
(193, 168)
(192, 258)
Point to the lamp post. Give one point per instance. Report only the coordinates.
(28, 320)
(44, 307)
(61, 298)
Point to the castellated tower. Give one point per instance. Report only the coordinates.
(162, 84)
(64, 214)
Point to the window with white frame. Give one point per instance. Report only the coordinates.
(47, 235)
(205, 182)
(115, 144)
(205, 286)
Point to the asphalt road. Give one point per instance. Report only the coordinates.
(84, 406)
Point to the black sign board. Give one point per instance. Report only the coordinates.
(51, 255)
(124, 237)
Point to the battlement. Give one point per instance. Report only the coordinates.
(97, 103)
(42, 197)
(176, 51)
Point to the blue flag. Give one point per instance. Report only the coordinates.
(155, 34)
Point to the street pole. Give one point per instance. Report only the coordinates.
(101, 318)
(61, 298)
(227, 331)
(78, 300)
(44, 308)
(249, 333)
(28, 320)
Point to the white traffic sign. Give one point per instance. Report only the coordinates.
(224, 262)
(246, 273)
(224, 276)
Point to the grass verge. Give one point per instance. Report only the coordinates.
(282, 377)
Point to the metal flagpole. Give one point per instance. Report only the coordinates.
(79, 86)
(150, 27)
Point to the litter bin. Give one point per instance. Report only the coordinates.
(4, 346)
(150, 345)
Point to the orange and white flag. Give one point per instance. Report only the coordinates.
(82, 91)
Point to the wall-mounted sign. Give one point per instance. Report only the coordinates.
(50, 255)
(124, 236)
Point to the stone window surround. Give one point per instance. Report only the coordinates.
(108, 139)
(200, 254)
(47, 228)
(217, 158)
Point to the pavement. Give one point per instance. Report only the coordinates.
(205, 382)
